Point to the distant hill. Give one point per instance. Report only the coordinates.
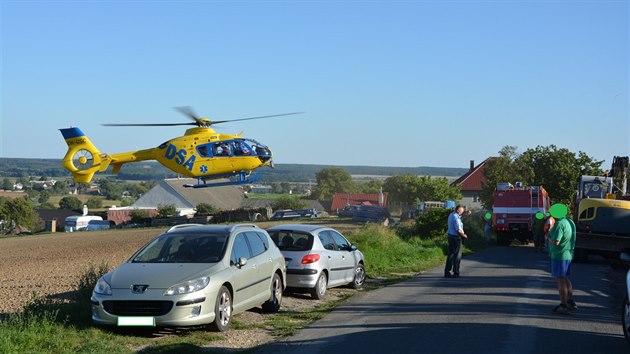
(151, 170)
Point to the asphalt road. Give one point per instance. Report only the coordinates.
(501, 304)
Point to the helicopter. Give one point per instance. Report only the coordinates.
(200, 153)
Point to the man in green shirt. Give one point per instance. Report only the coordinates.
(561, 244)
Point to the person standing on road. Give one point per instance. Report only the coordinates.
(487, 227)
(539, 232)
(455, 236)
(561, 245)
(549, 222)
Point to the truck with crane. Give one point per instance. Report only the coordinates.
(602, 213)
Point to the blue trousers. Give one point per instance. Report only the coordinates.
(454, 257)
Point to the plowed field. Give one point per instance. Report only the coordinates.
(52, 264)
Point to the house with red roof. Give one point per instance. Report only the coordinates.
(341, 200)
(470, 185)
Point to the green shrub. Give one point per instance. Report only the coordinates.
(388, 255)
(166, 210)
(205, 208)
(288, 202)
(433, 223)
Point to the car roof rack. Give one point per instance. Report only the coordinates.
(245, 226)
(182, 226)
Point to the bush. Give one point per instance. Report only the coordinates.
(166, 210)
(288, 202)
(433, 223)
(388, 254)
(87, 281)
(94, 203)
(205, 208)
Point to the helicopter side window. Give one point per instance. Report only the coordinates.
(241, 149)
(222, 148)
(203, 151)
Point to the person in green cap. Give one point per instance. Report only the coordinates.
(561, 245)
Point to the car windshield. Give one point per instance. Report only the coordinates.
(287, 240)
(183, 248)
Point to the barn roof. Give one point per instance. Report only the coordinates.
(172, 191)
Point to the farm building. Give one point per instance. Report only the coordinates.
(185, 199)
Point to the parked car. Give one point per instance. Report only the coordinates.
(295, 214)
(347, 211)
(193, 275)
(318, 258)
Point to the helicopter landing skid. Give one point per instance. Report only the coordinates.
(243, 178)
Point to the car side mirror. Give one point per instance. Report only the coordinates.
(353, 248)
(241, 262)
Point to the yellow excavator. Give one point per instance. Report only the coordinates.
(602, 214)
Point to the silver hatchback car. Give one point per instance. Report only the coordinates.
(193, 275)
(318, 258)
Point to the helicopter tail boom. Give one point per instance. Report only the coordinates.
(82, 158)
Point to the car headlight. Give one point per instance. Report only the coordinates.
(102, 287)
(188, 287)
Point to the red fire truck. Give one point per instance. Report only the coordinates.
(514, 209)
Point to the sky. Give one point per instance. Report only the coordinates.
(381, 83)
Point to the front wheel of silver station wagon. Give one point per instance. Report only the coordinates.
(222, 310)
(275, 301)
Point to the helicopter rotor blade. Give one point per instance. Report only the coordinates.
(147, 125)
(200, 122)
(188, 112)
(250, 118)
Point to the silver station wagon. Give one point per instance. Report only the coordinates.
(318, 258)
(193, 275)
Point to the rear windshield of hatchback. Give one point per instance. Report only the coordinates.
(287, 240)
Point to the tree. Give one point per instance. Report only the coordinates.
(71, 203)
(43, 196)
(112, 190)
(19, 212)
(7, 185)
(410, 189)
(373, 186)
(558, 170)
(330, 181)
(60, 187)
(288, 202)
(94, 203)
(498, 169)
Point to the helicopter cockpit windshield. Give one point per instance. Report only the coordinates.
(232, 148)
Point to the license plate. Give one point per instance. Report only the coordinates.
(136, 321)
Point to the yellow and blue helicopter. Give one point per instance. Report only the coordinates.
(200, 153)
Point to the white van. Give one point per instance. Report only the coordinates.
(79, 222)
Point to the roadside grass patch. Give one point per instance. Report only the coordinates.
(388, 255)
